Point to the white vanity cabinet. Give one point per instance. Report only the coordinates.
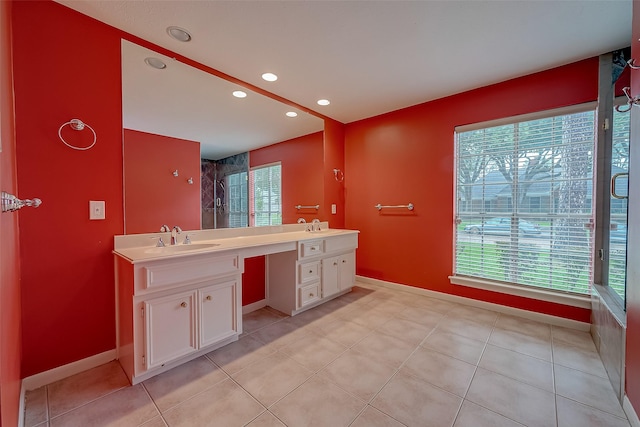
(178, 302)
(325, 269)
(171, 311)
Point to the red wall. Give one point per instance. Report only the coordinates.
(407, 157)
(333, 187)
(152, 195)
(67, 274)
(302, 162)
(10, 311)
(632, 379)
(253, 280)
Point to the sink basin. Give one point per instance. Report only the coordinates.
(327, 231)
(180, 248)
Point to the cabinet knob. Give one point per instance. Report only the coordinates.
(183, 304)
(208, 298)
(310, 271)
(344, 261)
(310, 295)
(335, 263)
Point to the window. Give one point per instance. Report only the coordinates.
(534, 180)
(238, 203)
(265, 188)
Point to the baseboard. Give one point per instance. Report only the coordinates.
(246, 309)
(632, 416)
(47, 377)
(531, 315)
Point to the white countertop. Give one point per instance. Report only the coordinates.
(141, 248)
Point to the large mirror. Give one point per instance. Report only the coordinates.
(184, 134)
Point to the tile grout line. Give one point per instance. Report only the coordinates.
(144, 387)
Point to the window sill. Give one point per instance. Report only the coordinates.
(522, 291)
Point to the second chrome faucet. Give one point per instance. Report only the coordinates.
(174, 234)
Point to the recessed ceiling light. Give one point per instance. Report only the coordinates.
(270, 77)
(155, 63)
(179, 34)
(291, 114)
(239, 94)
(323, 102)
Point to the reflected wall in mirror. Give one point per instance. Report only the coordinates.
(178, 102)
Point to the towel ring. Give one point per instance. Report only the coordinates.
(77, 124)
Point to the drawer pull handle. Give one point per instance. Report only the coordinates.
(313, 248)
(183, 304)
(310, 271)
(335, 263)
(208, 298)
(310, 295)
(344, 261)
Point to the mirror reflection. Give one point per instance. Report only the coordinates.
(187, 140)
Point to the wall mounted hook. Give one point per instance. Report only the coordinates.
(190, 180)
(631, 101)
(632, 64)
(175, 172)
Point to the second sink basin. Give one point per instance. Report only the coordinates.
(181, 248)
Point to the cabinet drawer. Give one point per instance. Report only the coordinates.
(308, 294)
(310, 248)
(341, 243)
(308, 272)
(182, 271)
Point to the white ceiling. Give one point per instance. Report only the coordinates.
(371, 57)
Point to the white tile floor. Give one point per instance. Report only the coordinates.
(373, 357)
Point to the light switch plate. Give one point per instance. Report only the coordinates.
(334, 209)
(96, 209)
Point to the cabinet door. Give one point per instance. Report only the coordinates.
(170, 328)
(347, 270)
(330, 276)
(217, 312)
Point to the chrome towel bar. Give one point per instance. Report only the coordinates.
(380, 207)
(316, 207)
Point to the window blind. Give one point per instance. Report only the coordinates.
(265, 184)
(238, 200)
(524, 202)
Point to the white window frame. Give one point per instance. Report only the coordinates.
(252, 195)
(577, 300)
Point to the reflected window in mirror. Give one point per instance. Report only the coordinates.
(265, 188)
(238, 200)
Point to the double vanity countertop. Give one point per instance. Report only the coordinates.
(142, 247)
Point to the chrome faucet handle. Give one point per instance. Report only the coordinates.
(160, 243)
(301, 220)
(165, 228)
(187, 240)
(174, 234)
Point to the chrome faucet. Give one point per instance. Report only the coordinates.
(174, 234)
(315, 225)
